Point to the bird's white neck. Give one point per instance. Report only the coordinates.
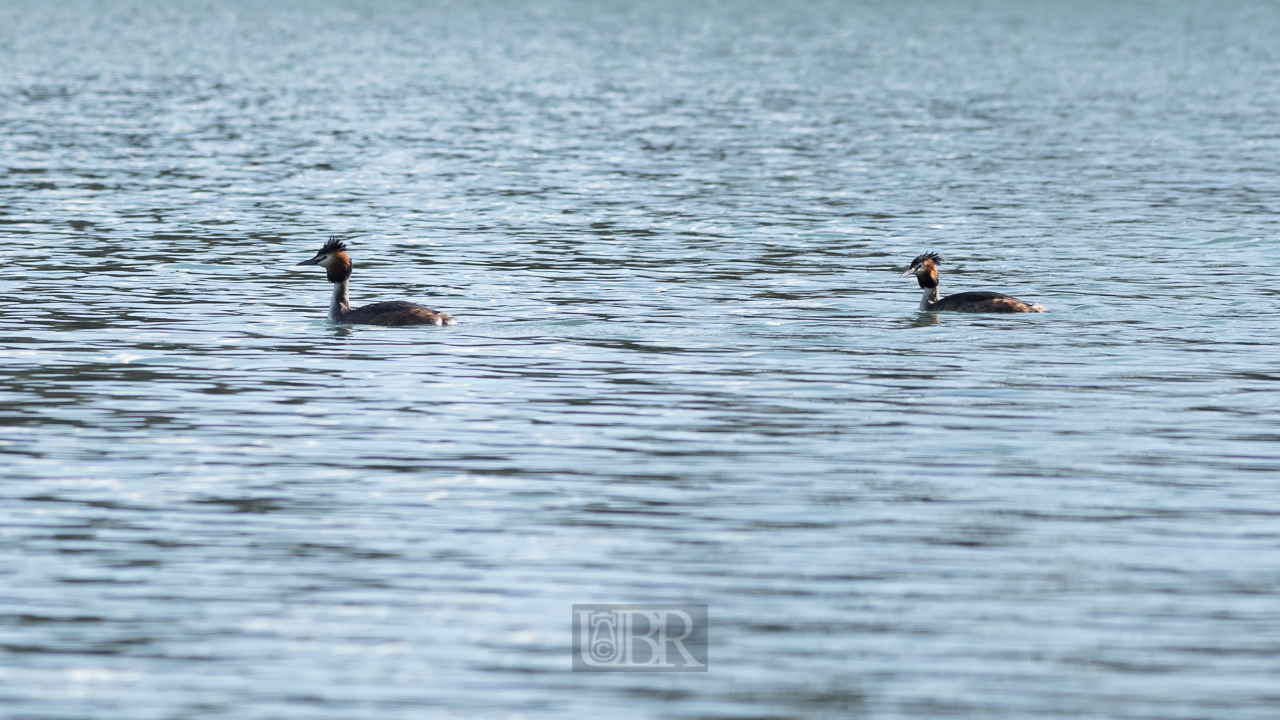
(341, 303)
(930, 296)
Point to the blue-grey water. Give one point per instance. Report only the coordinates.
(686, 368)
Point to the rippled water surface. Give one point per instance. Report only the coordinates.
(686, 368)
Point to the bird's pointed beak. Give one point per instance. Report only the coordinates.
(912, 271)
(313, 261)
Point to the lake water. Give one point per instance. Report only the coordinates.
(685, 369)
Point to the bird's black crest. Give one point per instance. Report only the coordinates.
(334, 245)
(927, 256)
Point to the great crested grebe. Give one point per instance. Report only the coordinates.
(925, 268)
(333, 258)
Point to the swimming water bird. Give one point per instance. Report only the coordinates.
(925, 268)
(333, 258)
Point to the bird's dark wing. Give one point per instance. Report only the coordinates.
(389, 306)
(397, 312)
(983, 302)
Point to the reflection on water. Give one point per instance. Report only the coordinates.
(672, 236)
(924, 319)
